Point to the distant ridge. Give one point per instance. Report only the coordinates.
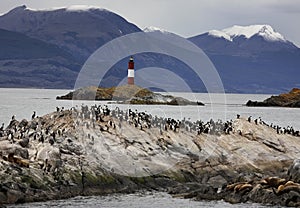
(66, 42)
(80, 30)
(249, 59)
(252, 59)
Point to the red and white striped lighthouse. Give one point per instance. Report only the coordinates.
(131, 71)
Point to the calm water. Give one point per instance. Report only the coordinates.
(22, 103)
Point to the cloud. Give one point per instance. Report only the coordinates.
(287, 6)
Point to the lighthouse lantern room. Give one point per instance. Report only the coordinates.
(131, 71)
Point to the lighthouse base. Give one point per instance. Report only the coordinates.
(130, 81)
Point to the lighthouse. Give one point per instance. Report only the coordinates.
(131, 71)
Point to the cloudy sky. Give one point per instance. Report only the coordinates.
(191, 17)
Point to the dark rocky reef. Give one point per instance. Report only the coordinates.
(128, 94)
(291, 99)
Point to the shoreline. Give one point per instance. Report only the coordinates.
(126, 94)
(67, 158)
(290, 100)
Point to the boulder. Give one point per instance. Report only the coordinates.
(6, 148)
(217, 181)
(24, 142)
(294, 171)
(23, 123)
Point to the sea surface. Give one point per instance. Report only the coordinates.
(22, 103)
(139, 200)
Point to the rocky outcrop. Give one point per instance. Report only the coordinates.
(131, 94)
(271, 191)
(291, 99)
(294, 171)
(96, 150)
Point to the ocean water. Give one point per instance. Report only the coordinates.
(22, 103)
(139, 200)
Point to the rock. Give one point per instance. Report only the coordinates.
(207, 192)
(195, 190)
(24, 142)
(22, 152)
(294, 171)
(12, 195)
(73, 148)
(255, 193)
(3, 197)
(217, 181)
(291, 99)
(293, 199)
(6, 148)
(49, 152)
(23, 123)
(126, 94)
(85, 159)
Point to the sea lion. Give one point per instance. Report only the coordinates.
(21, 162)
(230, 187)
(241, 187)
(273, 181)
(287, 187)
(291, 183)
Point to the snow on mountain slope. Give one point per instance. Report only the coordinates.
(83, 8)
(220, 34)
(69, 8)
(80, 30)
(266, 31)
(155, 29)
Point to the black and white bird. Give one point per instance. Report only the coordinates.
(249, 118)
(33, 115)
(2, 127)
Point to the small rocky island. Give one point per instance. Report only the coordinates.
(92, 150)
(291, 99)
(127, 94)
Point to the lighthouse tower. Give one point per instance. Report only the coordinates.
(131, 71)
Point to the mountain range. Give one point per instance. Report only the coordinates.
(47, 48)
(252, 58)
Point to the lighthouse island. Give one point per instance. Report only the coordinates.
(126, 94)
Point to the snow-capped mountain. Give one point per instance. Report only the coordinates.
(265, 31)
(46, 48)
(80, 30)
(252, 58)
(68, 8)
(243, 40)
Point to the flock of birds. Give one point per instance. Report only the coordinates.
(143, 120)
(280, 130)
(95, 115)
